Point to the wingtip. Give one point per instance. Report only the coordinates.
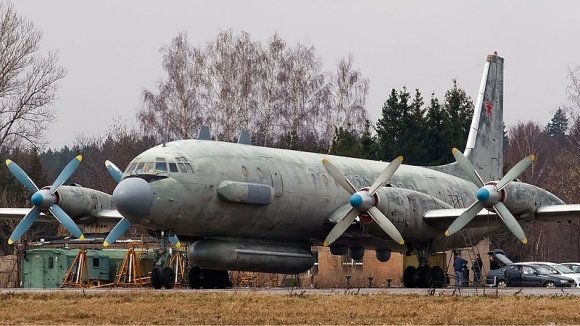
(105, 243)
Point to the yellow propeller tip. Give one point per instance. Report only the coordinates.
(10, 241)
(79, 157)
(402, 242)
(82, 237)
(8, 162)
(532, 157)
(446, 233)
(326, 244)
(454, 150)
(106, 243)
(324, 161)
(525, 241)
(400, 158)
(178, 245)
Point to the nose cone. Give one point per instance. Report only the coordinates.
(133, 198)
(483, 195)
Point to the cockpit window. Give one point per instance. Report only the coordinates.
(139, 168)
(173, 167)
(131, 167)
(181, 167)
(188, 167)
(160, 167)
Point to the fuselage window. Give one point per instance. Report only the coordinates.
(260, 173)
(173, 167)
(244, 171)
(325, 179)
(314, 180)
(181, 167)
(160, 167)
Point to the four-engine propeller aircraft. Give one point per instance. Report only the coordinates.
(261, 209)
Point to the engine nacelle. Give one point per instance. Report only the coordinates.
(239, 256)
(522, 198)
(81, 202)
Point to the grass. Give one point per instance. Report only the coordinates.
(177, 307)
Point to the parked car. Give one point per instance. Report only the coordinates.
(560, 270)
(573, 266)
(524, 274)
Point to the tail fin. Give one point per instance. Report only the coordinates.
(484, 147)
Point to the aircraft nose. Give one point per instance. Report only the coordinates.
(133, 198)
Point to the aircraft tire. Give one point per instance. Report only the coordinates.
(194, 277)
(168, 277)
(437, 277)
(215, 279)
(156, 278)
(410, 277)
(424, 277)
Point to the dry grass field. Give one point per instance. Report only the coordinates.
(169, 307)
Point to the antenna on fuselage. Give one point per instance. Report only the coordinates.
(204, 133)
(245, 138)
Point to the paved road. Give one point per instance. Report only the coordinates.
(337, 291)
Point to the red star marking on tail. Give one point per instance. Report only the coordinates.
(488, 109)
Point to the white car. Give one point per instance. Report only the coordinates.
(560, 269)
(573, 266)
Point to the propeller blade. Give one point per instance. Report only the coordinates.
(338, 176)
(66, 221)
(117, 231)
(386, 225)
(510, 221)
(464, 218)
(386, 175)
(340, 227)
(114, 171)
(174, 240)
(24, 225)
(21, 176)
(467, 167)
(68, 170)
(515, 171)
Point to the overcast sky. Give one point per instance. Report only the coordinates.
(111, 48)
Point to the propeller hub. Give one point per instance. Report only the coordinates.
(356, 200)
(483, 195)
(37, 199)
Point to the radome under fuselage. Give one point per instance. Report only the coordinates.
(305, 196)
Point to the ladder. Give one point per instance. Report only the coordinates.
(472, 252)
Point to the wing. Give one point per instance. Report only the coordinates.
(102, 217)
(442, 218)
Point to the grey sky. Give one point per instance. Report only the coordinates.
(111, 48)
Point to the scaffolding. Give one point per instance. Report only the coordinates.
(129, 272)
(78, 273)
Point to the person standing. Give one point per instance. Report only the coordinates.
(459, 266)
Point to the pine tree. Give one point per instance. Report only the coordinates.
(557, 128)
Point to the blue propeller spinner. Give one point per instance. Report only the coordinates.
(44, 200)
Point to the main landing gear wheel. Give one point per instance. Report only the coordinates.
(194, 277)
(424, 277)
(410, 277)
(156, 278)
(168, 277)
(437, 277)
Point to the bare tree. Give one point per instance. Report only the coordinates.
(28, 81)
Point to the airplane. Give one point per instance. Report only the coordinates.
(260, 209)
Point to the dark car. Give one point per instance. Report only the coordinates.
(520, 274)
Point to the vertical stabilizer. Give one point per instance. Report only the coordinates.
(485, 141)
(484, 147)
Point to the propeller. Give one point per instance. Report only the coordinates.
(124, 223)
(489, 196)
(362, 201)
(44, 199)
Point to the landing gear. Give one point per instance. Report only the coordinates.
(168, 277)
(410, 277)
(156, 281)
(208, 279)
(423, 276)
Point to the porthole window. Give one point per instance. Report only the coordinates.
(244, 171)
(314, 180)
(260, 173)
(325, 179)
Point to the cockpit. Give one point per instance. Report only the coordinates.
(159, 166)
